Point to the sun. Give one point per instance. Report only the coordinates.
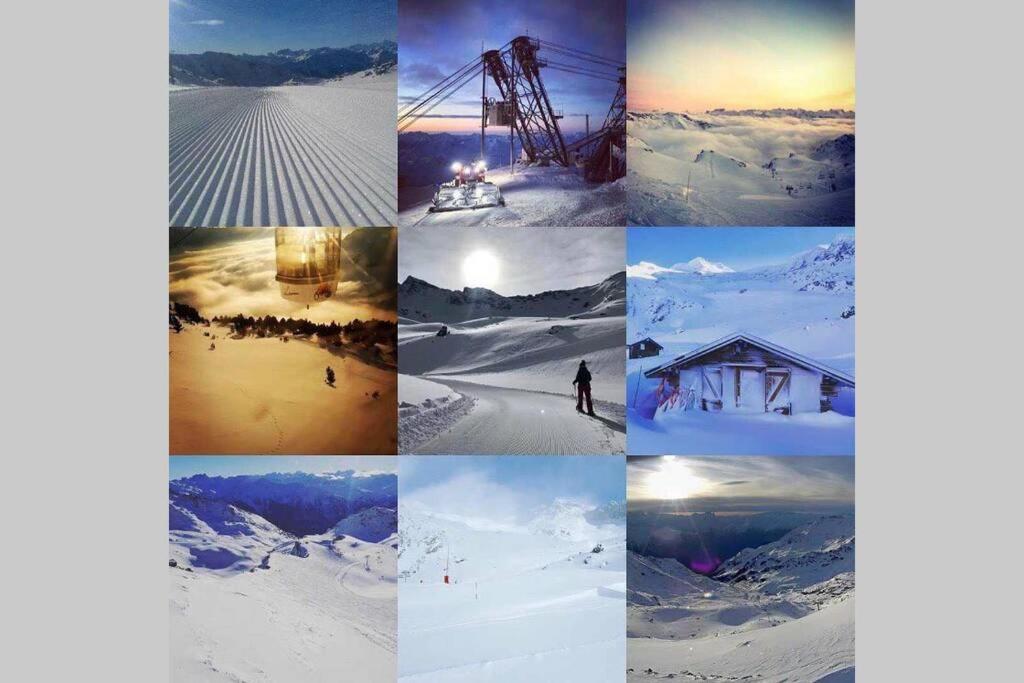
(674, 480)
(480, 269)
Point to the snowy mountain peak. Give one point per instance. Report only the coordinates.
(702, 266)
(806, 556)
(646, 270)
(425, 302)
(372, 524)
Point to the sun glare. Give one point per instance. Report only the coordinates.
(480, 269)
(674, 480)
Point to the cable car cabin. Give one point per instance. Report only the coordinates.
(308, 263)
(742, 373)
(645, 348)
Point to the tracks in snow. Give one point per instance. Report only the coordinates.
(295, 155)
(518, 422)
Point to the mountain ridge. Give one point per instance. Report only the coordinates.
(281, 67)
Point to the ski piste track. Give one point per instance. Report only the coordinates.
(282, 156)
(518, 422)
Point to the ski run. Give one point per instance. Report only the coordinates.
(250, 601)
(294, 155)
(537, 601)
(487, 374)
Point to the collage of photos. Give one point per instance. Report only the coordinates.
(511, 343)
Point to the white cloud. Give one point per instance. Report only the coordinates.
(207, 22)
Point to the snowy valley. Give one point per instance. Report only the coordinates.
(283, 577)
(782, 611)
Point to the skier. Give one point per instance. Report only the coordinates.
(330, 376)
(582, 384)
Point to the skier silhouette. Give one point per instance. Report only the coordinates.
(582, 384)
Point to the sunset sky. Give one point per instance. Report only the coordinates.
(438, 37)
(695, 55)
(232, 270)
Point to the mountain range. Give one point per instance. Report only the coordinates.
(668, 300)
(281, 67)
(297, 503)
(424, 302)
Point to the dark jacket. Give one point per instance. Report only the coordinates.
(582, 375)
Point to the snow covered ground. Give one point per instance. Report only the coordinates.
(782, 612)
(502, 384)
(805, 305)
(792, 168)
(525, 602)
(534, 196)
(263, 396)
(290, 155)
(250, 601)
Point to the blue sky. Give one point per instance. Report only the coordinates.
(738, 248)
(262, 26)
(226, 466)
(598, 479)
(436, 38)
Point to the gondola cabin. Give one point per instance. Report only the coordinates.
(742, 373)
(308, 263)
(644, 348)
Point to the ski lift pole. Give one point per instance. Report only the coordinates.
(636, 391)
(483, 102)
(447, 562)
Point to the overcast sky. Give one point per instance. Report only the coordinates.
(530, 260)
(227, 466)
(437, 38)
(507, 488)
(738, 248)
(262, 26)
(742, 484)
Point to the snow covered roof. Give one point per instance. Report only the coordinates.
(796, 358)
(646, 339)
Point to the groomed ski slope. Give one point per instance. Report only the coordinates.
(321, 155)
(525, 604)
(534, 196)
(518, 422)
